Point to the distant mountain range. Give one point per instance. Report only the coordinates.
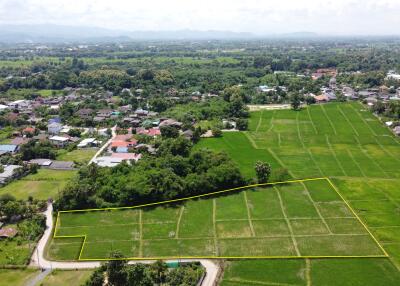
(58, 34)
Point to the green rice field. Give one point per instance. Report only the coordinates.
(291, 220)
(342, 141)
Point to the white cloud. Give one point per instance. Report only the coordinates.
(258, 16)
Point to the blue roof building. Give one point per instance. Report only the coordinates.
(8, 148)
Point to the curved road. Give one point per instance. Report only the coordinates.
(40, 261)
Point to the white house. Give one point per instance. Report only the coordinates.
(19, 104)
(59, 141)
(54, 128)
(393, 75)
(265, 88)
(88, 142)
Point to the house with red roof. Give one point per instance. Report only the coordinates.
(149, 132)
(29, 130)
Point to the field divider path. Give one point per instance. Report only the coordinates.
(179, 221)
(304, 146)
(348, 121)
(279, 139)
(271, 122)
(287, 222)
(308, 272)
(280, 162)
(252, 142)
(359, 219)
(356, 163)
(329, 120)
(248, 214)
(312, 122)
(259, 120)
(365, 151)
(386, 151)
(389, 198)
(214, 215)
(363, 120)
(316, 208)
(334, 154)
(140, 233)
(315, 162)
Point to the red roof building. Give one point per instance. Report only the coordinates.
(6, 232)
(30, 130)
(149, 132)
(127, 156)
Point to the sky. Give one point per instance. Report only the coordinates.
(328, 17)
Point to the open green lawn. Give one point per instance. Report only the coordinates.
(66, 278)
(14, 252)
(16, 277)
(295, 219)
(43, 185)
(78, 155)
(48, 92)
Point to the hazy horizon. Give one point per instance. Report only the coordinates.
(339, 17)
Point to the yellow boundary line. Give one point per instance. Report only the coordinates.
(385, 254)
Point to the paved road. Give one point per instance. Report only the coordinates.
(114, 133)
(38, 259)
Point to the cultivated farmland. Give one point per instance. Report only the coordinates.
(345, 142)
(292, 220)
(342, 141)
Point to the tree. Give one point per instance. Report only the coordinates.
(242, 124)
(295, 101)
(263, 171)
(97, 278)
(216, 132)
(159, 271)
(137, 275)
(378, 107)
(310, 100)
(116, 270)
(169, 132)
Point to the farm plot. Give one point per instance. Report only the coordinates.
(335, 139)
(295, 219)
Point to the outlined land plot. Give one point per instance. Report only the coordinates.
(293, 219)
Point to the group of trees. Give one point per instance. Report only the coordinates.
(389, 109)
(11, 208)
(33, 150)
(119, 273)
(176, 171)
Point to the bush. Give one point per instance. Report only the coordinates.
(216, 132)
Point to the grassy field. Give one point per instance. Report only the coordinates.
(66, 278)
(16, 277)
(294, 219)
(344, 142)
(303, 272)
(82, 156)
(43, 185)
(323, 140)
(15, 252)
